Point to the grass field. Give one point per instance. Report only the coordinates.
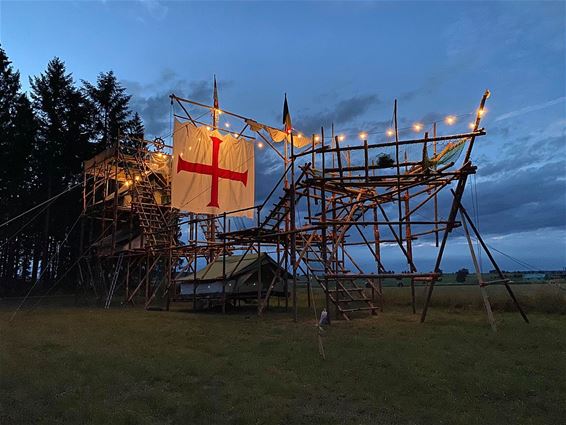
(128, 366)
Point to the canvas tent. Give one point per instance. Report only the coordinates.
(124, 240)
(241, 281)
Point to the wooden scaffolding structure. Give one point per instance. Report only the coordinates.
(335, 200)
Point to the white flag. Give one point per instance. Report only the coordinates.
(212, 173)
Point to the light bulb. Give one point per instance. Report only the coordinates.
(450, 119)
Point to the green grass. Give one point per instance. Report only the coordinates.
(128, 366)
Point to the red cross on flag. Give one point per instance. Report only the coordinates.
(212, 173)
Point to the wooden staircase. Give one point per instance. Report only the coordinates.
(155, 219)
(347, 294)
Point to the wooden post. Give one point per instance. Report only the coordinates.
(323, 229)
(435, 201)
(115, 201)
(313, 155)
(409, 243)
(479, 276)
(409, 248)
(454, 209)
(293, 234)
(366, 161)
(224, 263)
(398, 168)
(147, 276)
(127, 283)
(259, 282)
(334, 266)
(169, 286)
(278, 251)
(377, 254)
(494, 263)
(195, 230)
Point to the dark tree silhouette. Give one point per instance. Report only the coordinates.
(17, 135)
(44, 140)
(62, 144)
(111, 108)
(461, 275)
(135, 132)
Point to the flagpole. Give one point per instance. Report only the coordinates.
(289, 130)
(293, 234)
(211, 237)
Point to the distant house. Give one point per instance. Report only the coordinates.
(241, 279)
(533, 277)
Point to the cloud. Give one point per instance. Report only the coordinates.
(530, 108)
(155, 8)
(151, 100)
(342, 112)
(524, 200)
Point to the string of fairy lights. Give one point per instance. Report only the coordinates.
(389, 133)
(416, 127)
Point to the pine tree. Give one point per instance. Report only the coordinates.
(10, 97)
(65, 122)
(63, 144)
(135, 133)
(17, 137)
(135, 127)
(111, 106)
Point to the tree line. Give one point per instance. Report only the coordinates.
(45, 135)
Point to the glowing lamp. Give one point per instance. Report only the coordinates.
(450, 119)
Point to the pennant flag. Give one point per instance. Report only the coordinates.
(300, 141)
(212, 173)
(287, 117)
(215, 94)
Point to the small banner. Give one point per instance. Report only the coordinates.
(212, 173)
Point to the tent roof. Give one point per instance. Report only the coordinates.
(234, 267)
(122, 236)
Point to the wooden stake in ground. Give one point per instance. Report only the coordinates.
(479, 276)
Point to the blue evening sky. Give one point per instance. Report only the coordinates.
(345, 62)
